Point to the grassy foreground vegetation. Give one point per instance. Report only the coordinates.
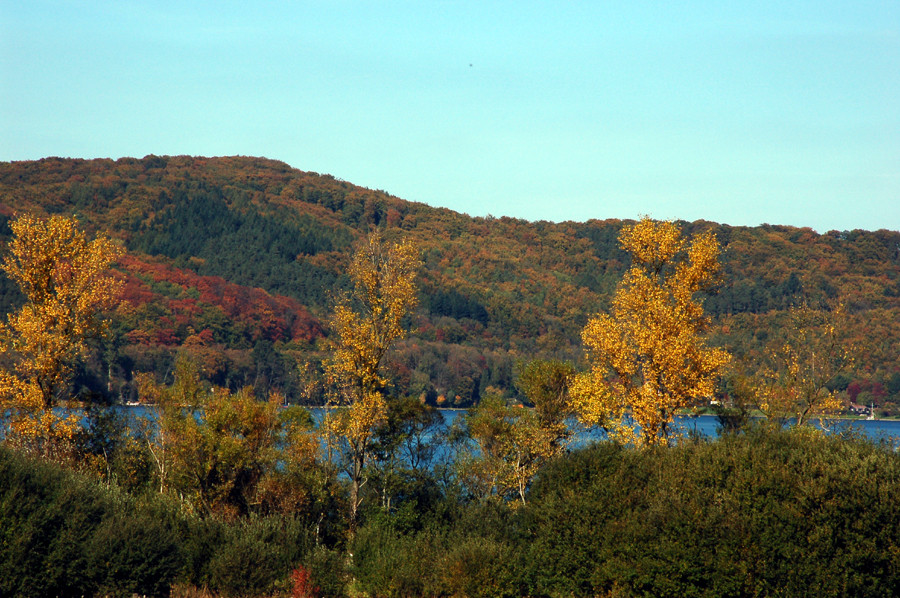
(767, 512)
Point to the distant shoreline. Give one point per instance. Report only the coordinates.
(756, 415)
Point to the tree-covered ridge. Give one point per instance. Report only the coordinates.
(494, 290)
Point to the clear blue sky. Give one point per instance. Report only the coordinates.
(737, 112)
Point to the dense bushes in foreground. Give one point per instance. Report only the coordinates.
(792, 513)
(62, 535)
(764, 513)
(789, 513)
(65, 534)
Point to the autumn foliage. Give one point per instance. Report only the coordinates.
(648, 356)
(233, 263)
(366, 323)
(494, 290)
(64, 277)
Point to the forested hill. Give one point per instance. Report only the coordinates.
(236, 261)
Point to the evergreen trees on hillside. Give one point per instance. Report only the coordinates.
(503, 288)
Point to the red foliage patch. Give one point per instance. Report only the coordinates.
(271, 317)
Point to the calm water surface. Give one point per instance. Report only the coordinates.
(705, 425)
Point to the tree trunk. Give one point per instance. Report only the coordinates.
(356, 481)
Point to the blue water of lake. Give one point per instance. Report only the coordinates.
(703, 425)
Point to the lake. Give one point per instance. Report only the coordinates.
(705, 425)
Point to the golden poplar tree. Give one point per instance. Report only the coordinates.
(64, 278)
(365, 324)
(648, 356)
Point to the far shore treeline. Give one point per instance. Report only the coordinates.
(229, 297)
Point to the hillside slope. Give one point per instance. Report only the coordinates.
(236, 261)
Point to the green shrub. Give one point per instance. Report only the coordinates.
(245, 566)
(246, 557)
(327, 571)
(63, 534)
(134, 554)
(478, 566)
(772, 511)
(390, 563)
(762, 513)
(464, 551)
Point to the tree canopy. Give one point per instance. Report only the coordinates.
(65, 280)
(649, 355)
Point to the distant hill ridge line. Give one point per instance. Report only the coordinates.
(313, 215)
(280, 167)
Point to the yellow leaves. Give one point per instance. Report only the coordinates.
(63, 277)
(52, 261)
(31, 427)
(356, 421)
(795, 383)
(648, 355)
(384, 277)
(702, 264)
(367, 322)
(358, 353)
(43, 426)
(651, 244)
(596, 403)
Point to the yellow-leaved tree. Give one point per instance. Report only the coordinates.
(64, 278)
(795, 384)
(227, 453)
(366, 322)
(649, 356)
(511, 446)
